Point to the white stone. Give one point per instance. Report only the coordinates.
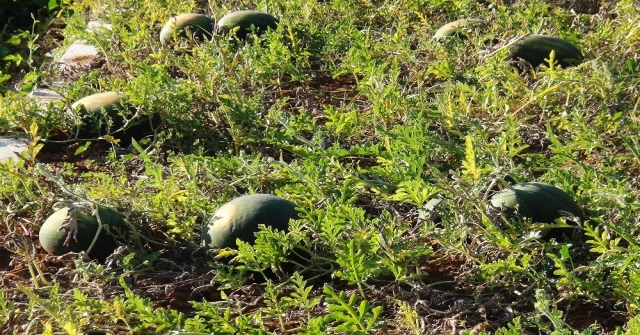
(44, 95)
(10, 146)
(97, 26)
(80, 54)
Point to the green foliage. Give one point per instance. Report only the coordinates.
(20, 23)
(301, 296)
(269, 250)
(139, 261)
(351, 317)
(514, 328)
(545, 307)
(147, 317)
(633, 326)
(6, 308)
(351, 110)
(356, 262)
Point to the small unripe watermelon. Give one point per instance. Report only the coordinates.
(52, 239)
(541, 202)
(240, 219)
(199, 25)
(457, 28)
(244, 20)
(535, 48)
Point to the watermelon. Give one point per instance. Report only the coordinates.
(457, 28)
(535, 48)
(109, 101)
(541, 202)
(240, 219)
(52, 238)
(244, 21)
(201, 26)
(102, 113)
(99, 114)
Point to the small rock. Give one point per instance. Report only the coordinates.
(80, 54)
(98, 27)
(45, 96)
(11, 146)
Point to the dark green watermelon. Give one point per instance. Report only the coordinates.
(543, 203)
(200, 26)
(102, 114)
(53, 239)
(535, 48)
(244, 21)
(240, 218)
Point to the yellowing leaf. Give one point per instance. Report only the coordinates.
(70, 328)
(111, 139)
(469, 166)
(224, 253)
(33, 129)
(48, 330)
